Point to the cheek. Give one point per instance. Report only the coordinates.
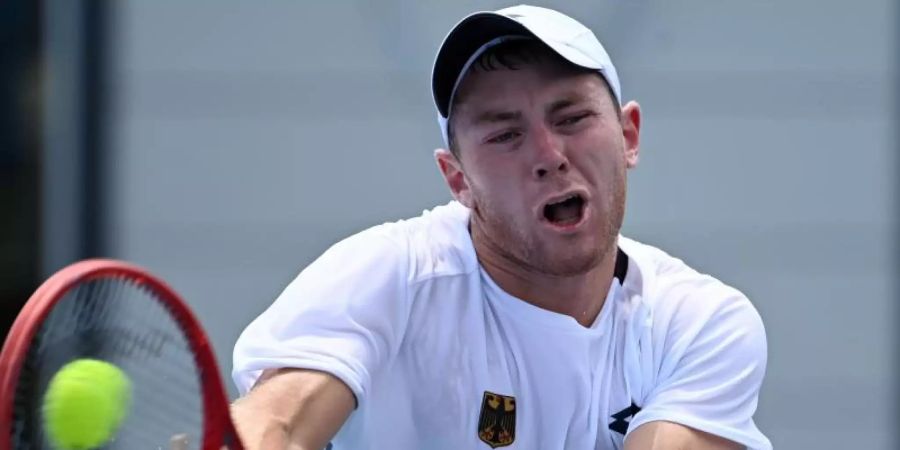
(493, 191)
(498, 192)
(597, 166)
(602, 160)
(493, 177)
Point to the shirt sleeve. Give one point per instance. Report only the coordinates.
(345, 314)
(710, 367)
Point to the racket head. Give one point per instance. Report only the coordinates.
(20, 345)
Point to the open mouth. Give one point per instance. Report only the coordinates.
(567, 211)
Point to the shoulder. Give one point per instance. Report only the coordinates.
(700, 356)
(686, 304)
(437, 242)
(432, 244)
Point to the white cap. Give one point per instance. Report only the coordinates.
(483, 30)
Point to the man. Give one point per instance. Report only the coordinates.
(515, 316)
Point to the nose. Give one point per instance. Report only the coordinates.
(549, 154)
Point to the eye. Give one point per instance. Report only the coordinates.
(572, 120)
(502, 137)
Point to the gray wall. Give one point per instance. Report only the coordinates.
(247, 138)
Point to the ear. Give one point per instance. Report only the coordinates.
(631, 127)
(452, 170)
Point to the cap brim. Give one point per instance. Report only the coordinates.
(462, 41)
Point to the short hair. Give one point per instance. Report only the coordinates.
(512, 55)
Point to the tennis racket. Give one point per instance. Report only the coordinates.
(119, 313)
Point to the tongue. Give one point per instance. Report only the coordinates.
(565, 212)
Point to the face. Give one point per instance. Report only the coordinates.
(542, 161)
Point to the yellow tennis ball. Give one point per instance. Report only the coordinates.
(85, 403)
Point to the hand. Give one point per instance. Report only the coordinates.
(178, 442)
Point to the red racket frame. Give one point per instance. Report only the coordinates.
(218, 430)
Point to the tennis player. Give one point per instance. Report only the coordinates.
(516, 315)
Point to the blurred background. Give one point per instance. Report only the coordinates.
(224, 145)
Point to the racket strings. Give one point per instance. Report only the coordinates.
(118, 321)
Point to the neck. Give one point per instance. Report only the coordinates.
(580, 296)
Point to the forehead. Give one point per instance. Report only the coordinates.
(532, 85)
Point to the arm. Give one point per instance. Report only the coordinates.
(292, 409)
(672, 436)
(338, 323)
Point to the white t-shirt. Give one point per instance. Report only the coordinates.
(440, 357)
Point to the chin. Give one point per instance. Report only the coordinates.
(577, 261)
(580, 256)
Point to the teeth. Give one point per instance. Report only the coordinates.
(566, 198)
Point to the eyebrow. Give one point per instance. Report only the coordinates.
(494, 116)
(563, 103)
